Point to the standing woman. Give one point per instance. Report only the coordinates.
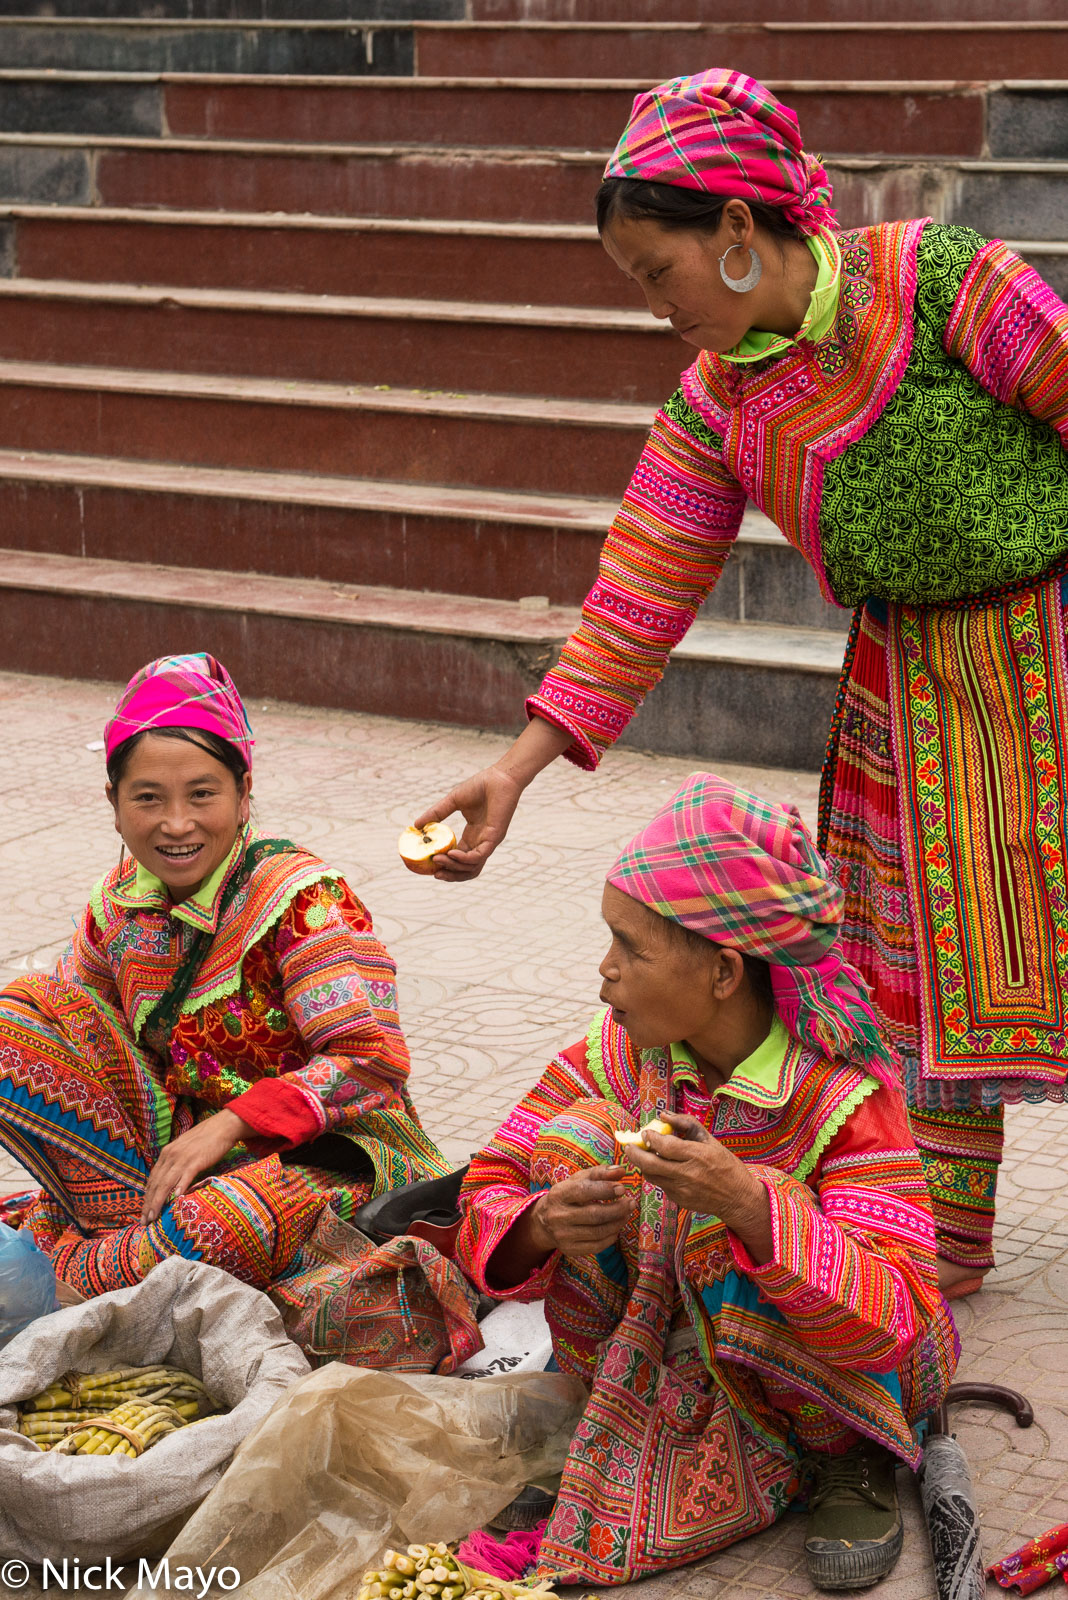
(895, 398)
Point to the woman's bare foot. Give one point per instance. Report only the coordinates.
(956, 1281)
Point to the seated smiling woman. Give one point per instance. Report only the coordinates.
(753, 1300)
(216, 1060)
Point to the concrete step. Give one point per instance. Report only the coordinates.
(243, 10)
(733, 692)
(1017, 198)
(892, 118)
(492, 441)
(104, 44)
(836, 50)
(529, 263)
(571, 352)
(357, 531)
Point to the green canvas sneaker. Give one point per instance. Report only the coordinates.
(854, 1532)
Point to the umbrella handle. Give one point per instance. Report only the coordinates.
(994, 1394)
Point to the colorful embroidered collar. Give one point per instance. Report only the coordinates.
(146, 892)
(765, 1078)
(822, 307)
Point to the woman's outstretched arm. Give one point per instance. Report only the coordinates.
(663, 554)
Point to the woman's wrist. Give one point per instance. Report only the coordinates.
(241, 1128)
(537, 747)
(748, 1214)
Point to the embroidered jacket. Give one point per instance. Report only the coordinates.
(846, 1317)
(914, 453)
(291, 1020)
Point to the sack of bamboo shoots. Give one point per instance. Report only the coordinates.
(118, 1416)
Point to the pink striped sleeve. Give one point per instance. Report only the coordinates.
(1011, 331)
(663, 554)
(853, 1267)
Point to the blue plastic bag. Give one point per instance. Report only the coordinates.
(27, 1282)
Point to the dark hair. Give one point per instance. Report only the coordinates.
(212, 743)
(757, 971)
(638, 200)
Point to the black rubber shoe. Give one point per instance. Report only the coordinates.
(854, 1533)
(530, 1507)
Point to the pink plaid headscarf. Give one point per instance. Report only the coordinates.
(744, 872)
(725, 134)
(181, 692)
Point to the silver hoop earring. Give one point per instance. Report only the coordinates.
(752, 277)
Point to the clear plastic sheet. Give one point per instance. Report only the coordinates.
(352, 1461)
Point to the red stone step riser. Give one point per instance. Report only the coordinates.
(770, 10)
(835, 53)
(495, 559)
(887, 123)
(433, 266)
(497, 358)
(492, 453)
(488, 188)
(385, 671)
(525, 190)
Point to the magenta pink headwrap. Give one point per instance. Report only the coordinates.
(181, 692)
(744, 872)
(725, 134)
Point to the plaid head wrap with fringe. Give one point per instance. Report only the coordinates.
(725, 134)
(744, 872)
(181, 692)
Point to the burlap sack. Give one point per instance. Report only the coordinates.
(186, 1315)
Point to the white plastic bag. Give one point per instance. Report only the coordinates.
(185, 1315)
(516, 1339)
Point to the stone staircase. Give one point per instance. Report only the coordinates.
(309, 354)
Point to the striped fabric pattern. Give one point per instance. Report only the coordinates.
(1011, 331)
(188, 691)
(304, 1039)
(762, 432)
(725, 134)
(664, 552)
(700, 1362)
(743, 871)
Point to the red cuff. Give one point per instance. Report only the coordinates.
(277, 1109)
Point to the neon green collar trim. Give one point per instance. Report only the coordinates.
(822, 306)
(766, 1077)
(201, 910)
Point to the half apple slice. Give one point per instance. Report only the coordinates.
(419, 846)
(624, 1136)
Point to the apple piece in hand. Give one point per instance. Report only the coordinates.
(419, 846)
(624, 1136)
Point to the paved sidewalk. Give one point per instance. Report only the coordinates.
(497, 975)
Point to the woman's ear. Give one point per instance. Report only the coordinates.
(113, 802)
(245, 801)
(728, 971)
(739, 220)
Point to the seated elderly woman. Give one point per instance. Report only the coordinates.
(216, 1063)
(752, 1300)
